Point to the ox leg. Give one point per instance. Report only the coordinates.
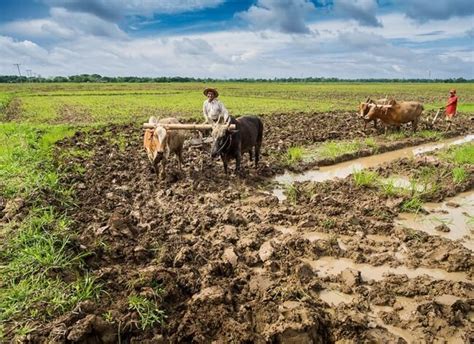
(225, 161)
(257, 154)
(238, 160)
(375, 123)
(163, 169)
(180, 159)
(156, 167)
(414, 125)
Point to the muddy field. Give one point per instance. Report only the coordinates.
(227, 262)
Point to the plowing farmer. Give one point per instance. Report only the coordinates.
(451, 106)
(213, 109)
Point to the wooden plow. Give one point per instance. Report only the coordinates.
(179, 126)
(436, 116)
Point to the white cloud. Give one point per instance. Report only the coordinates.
(61, 25)
(286, 16)
(342, 49)
(424, 10)
(115, 9)
(363, 11)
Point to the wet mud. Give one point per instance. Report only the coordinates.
(227, 262)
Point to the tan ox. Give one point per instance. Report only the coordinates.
(396, 113)
(159, 143)
(364, 109)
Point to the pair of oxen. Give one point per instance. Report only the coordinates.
(390, 112)
(230, 141)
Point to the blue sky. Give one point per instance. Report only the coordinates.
(222, 39)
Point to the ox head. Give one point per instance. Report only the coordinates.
(222, 137)
(364, 108)
(155, 142)
(374, 110)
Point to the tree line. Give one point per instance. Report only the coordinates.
(164, 79)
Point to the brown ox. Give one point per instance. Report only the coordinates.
(364, 109)
(396, 113)
(159, 143)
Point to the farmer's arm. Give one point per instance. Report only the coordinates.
(224, 113)
(204, 112)
(452, 101)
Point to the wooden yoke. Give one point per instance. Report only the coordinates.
(182, 126)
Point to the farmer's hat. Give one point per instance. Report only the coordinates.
(452, 91)
(213, 90)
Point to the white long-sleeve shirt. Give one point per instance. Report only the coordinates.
(213, 110)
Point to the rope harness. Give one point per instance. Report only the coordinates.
(228, 140)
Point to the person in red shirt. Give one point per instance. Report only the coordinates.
(451, 106)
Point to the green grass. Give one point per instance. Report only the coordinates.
(365, 178)
(429, 134)
(148, 311)
(371, 143)
(395, 136)
(26, 150)
(412, 205)
(291, 192)
(121, 102)
(460, 155)
(333, 149)
(294, 155)
(389, 188)
(33, 257)
(42, 274)
(459, 175)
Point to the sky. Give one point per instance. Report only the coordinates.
(239, 38)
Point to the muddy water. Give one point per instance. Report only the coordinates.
(313, 236)
(330, 266)
(344, 169)
(458, 218)
(334, 297)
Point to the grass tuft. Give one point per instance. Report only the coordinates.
(365, 178)
(460, 155)
(294, 155)
(291, 192)
(147, 310)
(412, 205)
(460, 175)
(333, 149)
(429, 134)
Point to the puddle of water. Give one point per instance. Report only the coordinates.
(330, 266)
(459, 220)
(447, 299)
(399, 332)
(334, 297)
(409, 306)
(345, 169)
(379, 238)
(312, 236)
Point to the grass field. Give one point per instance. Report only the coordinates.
(102, 103)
